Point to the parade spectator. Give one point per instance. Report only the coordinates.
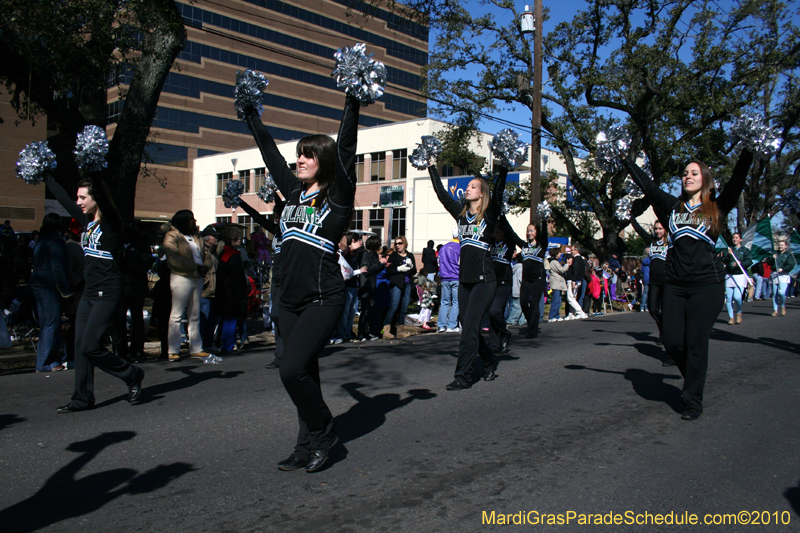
(371, 264)
(645, 280)
(757, 271)
(230, 296)
(188, 263)
(208, 314)
(429, 261)
(136, 259)
(578, 274)
(616, 274)
(49, 283)
(260, 245)
(401, 269)
(557, 285)
(448, 273)
(352, 253)
(768, 265)
(76, 283)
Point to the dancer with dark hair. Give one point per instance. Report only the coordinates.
(657, 254)
(534, 281)
(319, 204)
(102, 240)
(477, 279)
(695, 275)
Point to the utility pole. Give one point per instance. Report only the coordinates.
(535, 75)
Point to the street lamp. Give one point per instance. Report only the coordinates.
(526, 21)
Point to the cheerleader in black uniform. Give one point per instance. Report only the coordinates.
(501, 251)
(274, 285)
(102, 242)
(658, 260)
(477, 279)
(534, 281)
(319, 204)
(695, 276)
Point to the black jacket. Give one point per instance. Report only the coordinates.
(398, 279)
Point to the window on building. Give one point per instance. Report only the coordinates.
(259, 175)
(398, 227)
(223, 220)
(378, 168)
(358, 220)
(360, 168)
(447, 171)
(244, 176)
(399, 163)
(376, 218)
(222, 181)
(247, 222)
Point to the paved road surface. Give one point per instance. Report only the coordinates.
(584, 419)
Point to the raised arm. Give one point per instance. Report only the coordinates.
(726, 200)
(107, 207)
(511, 235)
(451, 205)
(65, 200)
(347, 141)
(662, 202)
(496, 205)
(265, 222)
(643, 233)
(541, 236)
(286, 181)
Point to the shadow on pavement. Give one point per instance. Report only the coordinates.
(793, 495)
(728, 336)
(190, 379)
(7, 420)
(368, 414)
(647, 385)
(64, 496)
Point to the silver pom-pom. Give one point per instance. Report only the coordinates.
(756, 135)
(623, 208)
(34, 160)
(267, 191)
(91, 149)
(360, 76)
(232, 192)
(507, 147)
(249, 90)
(544, 210)
(423, 155)
(632, 190)
(612, 148)
(790, 200)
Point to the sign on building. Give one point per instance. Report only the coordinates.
(392, 196)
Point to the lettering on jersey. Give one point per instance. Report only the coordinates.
(692, 219)
(532, 253)
(471, 233)
(659, 250)
(90, 241)
(300, 214)
(499, 252)
(689, 224)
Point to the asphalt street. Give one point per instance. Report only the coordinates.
(584, 419)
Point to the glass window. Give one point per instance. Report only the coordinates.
(247, 222)
(223, 220)
(376, 218)
(399, 163)
(259, 175)
(358, 220)
(244, 177)
(360, 168)
(378, 167)
(398, 227)
(222, 182)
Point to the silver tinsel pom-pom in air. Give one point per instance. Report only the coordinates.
(249, 90)
(612, 148)
(622, 208)
(267, 191)
(34, 160)
(91, 149)
(360, 75)
(544, 210)
(507, 147)
(423, 155)
(631, 189)
(756, 135)
(232, 192)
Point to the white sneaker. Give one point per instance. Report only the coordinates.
(453, 330)
(560, 319)
(441, 330)
(583, 315)
(569, 317)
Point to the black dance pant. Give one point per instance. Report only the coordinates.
(120, 328)
(474, 300)
(530, 294)
(689, 314)
(94, 317)
(305, 333)
(274, 299)
(655, 293)
(498, 331)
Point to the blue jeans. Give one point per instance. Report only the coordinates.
(344, 330)
(398, 301)
(448, 310)
(229, 334)
(208, 323)
(514, 314)
(779, 295)
(555, 305)
(758, 281)
(733, 300)
(766, 290)
(48, 307)
(645, 290)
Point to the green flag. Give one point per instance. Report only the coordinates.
(794, 241)
(758, 238)
(721, 245)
